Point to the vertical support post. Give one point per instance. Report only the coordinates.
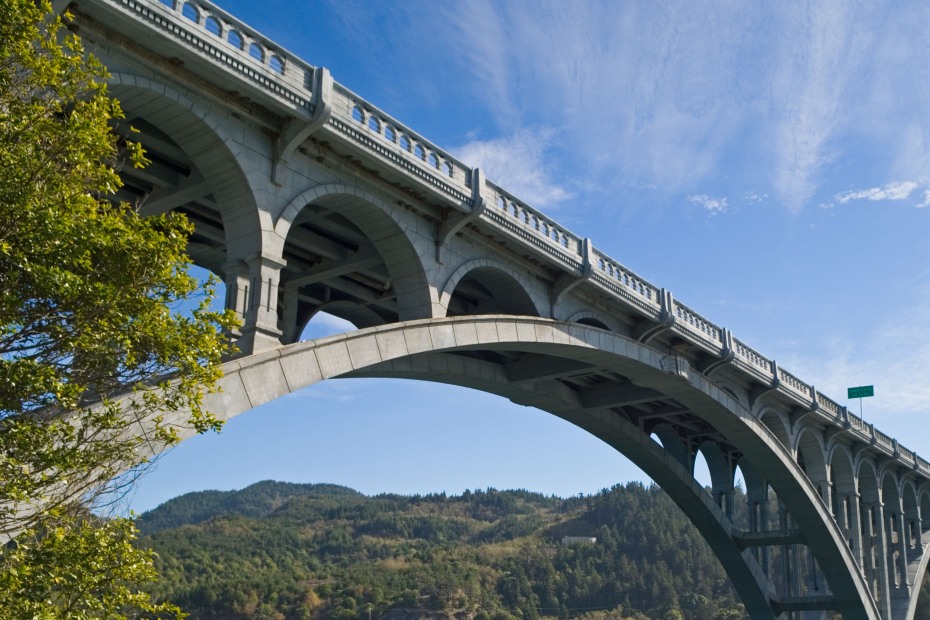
(902, 550)
(881, 546)
(856, 526)
(289, 328)
(260, 329)
(840, 513)
(237, 293)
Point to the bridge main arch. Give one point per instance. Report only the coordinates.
(543, 363)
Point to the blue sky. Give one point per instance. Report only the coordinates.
(768, 163)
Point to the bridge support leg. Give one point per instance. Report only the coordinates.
(855, 529)
(898, 554)
(252, 291)
(880, 553)
(289, 327)
(757, 497)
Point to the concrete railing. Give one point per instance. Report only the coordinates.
(379, 132)
(260, 61)
(525, 222)
(626, 285)
(699, 327)
(230, 43)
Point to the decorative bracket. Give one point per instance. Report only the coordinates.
(296, 131)
(453, 221)
(761, 390)
(666, 320)
(727, 354)
(797, 416)
(567, 281)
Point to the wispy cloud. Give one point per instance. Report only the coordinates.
(817, 60)
(891, 191)
(519, 163)
(782, 98)
(710, 204)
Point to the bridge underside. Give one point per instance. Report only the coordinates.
(785, 556)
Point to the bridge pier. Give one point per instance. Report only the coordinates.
(252, 293)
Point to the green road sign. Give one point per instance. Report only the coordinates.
(860, 392)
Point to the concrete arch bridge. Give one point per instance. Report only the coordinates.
(307, 198)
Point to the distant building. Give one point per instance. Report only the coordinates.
(578, 540)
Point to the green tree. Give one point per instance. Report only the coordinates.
(95, 304)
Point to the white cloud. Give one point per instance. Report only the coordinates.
(896, 191)
(755, 197)
(709, 203)
(890, 191)
(518, 164)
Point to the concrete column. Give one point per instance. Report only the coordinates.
(757, 508)
(260, 327)
(288, 324)
(855, 530)
(237, 292)
(826, 494)
(841, 515)
(918, 529)
(881, 545)
(901, 548)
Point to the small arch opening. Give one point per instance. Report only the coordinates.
(390, 134)
(405, 143)
(419, 152)
(592, 322)
(323, 324)
(487, 290)
(701, 471)
(433, 160)
(357, 114)
(213, 26)
(276, 63)
(235, 39)
(190, 12)
(777, 426)
(374, 124)
(257, 52)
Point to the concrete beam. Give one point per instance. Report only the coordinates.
(618, 395)
(538, 368)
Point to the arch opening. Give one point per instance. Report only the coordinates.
(191, 170)
(345, 254)
(332, 264)
(592, 322)
(487, 290)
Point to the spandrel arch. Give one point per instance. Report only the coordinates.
(196, 167)
(348, 250)
(489, 286)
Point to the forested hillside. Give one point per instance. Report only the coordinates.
(282, 551)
